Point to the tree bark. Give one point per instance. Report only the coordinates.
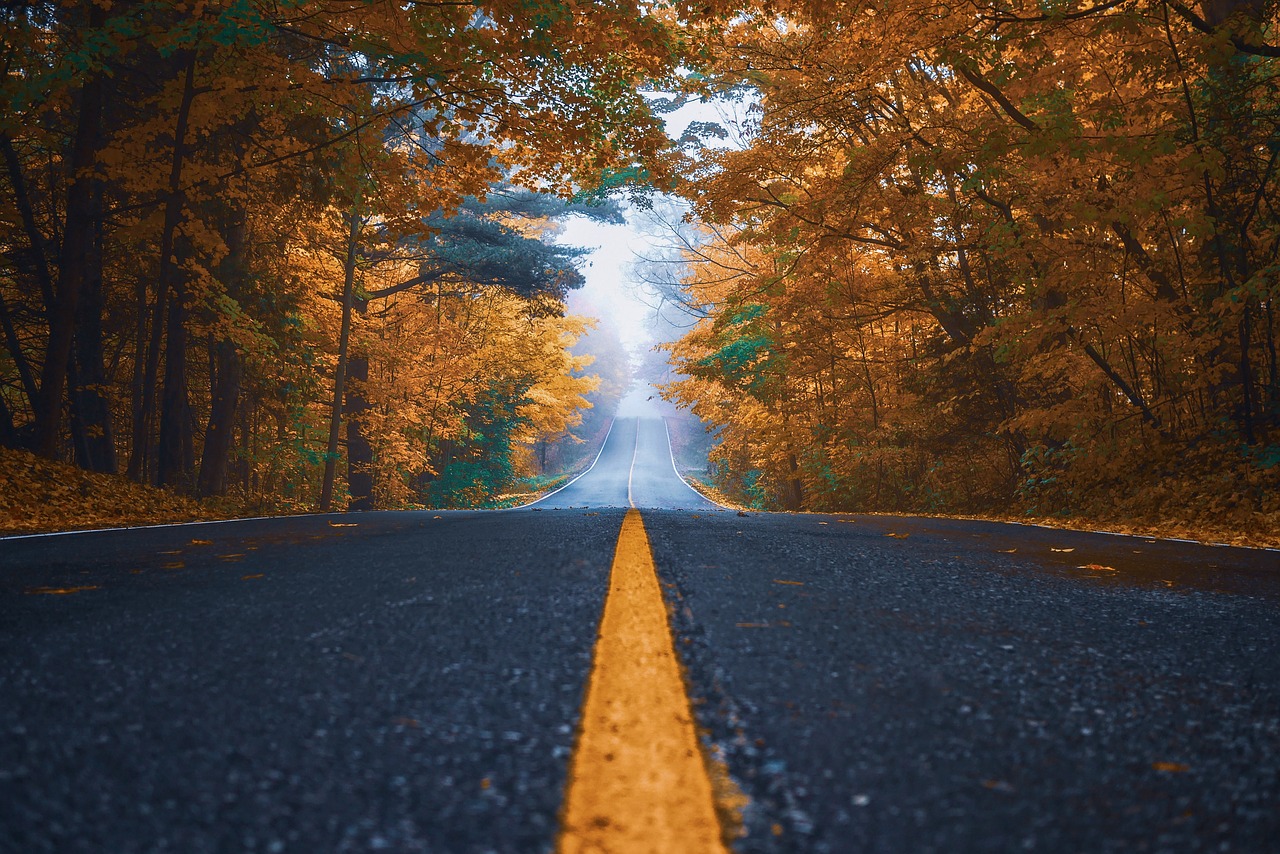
(176, 456)
(228, 370)
(146, 367)
(77, 240)
(90, 408)
(359, 450)
(340, 373)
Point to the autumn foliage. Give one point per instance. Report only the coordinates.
(300, 252)
(977, 256)
(993, 256)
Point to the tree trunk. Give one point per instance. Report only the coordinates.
(77, 239)
(90, 408)
(146, 367)
(340, 373)
(228, 369)
(176, 457)
(359, 451)
(14, 346)
(39, 266)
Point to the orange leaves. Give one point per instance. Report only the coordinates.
(961, 231)
(39, 495)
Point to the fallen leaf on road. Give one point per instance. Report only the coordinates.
(898, 536)
(780, 581)
(1052, 549)
(247, 577)
(230, 557)
(177, 564)
(1097, 567)
(1007, 551)
(343, 524)
(200, 543)
(59, 591)
(1171, 767)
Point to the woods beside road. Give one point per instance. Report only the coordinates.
(958, 260)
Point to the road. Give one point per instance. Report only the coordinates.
(634, 469)
(415, 681)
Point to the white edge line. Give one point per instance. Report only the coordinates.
(671, 453)
(166, 525)
(631, 472)
(1041, 525)
(576, 479)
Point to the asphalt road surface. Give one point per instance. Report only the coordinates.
(412, 681)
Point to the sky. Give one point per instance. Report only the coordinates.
(610, 285)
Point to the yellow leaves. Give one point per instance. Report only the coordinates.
(59, 591)
(781, 581)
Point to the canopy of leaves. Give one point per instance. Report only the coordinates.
(1011, 256)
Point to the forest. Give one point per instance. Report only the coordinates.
(991, 256)
(301, 253)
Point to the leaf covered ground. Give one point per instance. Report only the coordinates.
(39, 495)
(1204, 523)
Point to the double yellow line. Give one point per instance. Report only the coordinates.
(639, 781)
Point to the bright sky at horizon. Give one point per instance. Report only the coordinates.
(611, 288)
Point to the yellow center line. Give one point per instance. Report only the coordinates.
(631, 472)
(638, 782)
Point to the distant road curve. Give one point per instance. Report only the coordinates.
(635, 468)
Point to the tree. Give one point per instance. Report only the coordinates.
(1029, 232)
(180, 178)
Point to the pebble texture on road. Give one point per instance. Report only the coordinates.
(410, 683)
(892, 693)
